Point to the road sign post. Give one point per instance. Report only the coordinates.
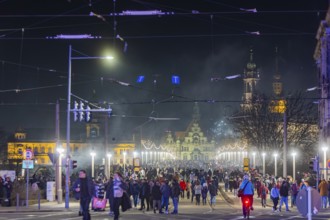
(28, 164)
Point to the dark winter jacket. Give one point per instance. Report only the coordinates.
(90, 188)
(156, 193)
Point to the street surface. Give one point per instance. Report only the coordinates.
(187, 211)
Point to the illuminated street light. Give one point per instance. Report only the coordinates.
(263, 163)
(93, 156)
(325, 161)
(275, 165)
(60, 150)
(68, 151)
(294, 165)
(109, 164)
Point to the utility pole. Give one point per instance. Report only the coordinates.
(285, 147)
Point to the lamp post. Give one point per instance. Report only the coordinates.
(275, 164)
(294, 165)
(254, 159)
(263, 163)
(109, 164)
(93, 156)
(325, 161)
(59, 178)
(68, 150)
(124, 161)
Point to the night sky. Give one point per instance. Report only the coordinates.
(201, 39)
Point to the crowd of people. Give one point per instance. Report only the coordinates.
(153, 188)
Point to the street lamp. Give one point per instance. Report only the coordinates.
(60, 150)
(124, 161)
(275, 156)
(325, 161)
(109, 164)
(68, 150)
(263, 163)
(294, 165)
(254, 160)
(93, 155)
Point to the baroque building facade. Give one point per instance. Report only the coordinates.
(191, 144)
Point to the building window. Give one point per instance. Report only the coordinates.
(42, 150)
(43, 160)
(35, 150)
(184, 157)
(50, 150)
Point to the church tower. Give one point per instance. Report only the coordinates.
(278, 105)
(250, 78)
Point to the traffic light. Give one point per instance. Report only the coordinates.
(314, 165)
(88, 113)
(81, 111)
(74, 164)
(75, 111)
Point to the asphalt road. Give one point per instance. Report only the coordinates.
(187, 211)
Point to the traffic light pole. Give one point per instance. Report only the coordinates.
(67, 176)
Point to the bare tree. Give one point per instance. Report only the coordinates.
(263, 128)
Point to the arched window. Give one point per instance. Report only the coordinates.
(42, 150)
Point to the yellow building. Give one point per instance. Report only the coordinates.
(45, 152)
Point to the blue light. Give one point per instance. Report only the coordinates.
(175, 80)
(140, 79)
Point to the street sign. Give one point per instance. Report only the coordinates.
(302, 202)
(28, 154)
(27, 164)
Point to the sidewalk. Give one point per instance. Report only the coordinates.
(44, 207)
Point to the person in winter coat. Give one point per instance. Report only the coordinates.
(166, 193)
(119, 187)
(263, 191)
(109, 195)
(156, 195)
(8, 185)
(284, 193)
(144, 194)
(323, 187)
(175, 193)
(275, 196)
(247, 193)
(213, 193)
(183, 186)
(294, 192)
(198, 192)
(135, 190)
(85, 188)
(204, 193)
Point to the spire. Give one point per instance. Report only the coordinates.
(251, 55)
(196, 114)
(277, 84)
(250, 79)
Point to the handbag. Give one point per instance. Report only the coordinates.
(240, 192)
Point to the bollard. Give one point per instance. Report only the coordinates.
(38, 199)
(17, 201)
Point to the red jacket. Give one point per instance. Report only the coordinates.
(183, 185)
